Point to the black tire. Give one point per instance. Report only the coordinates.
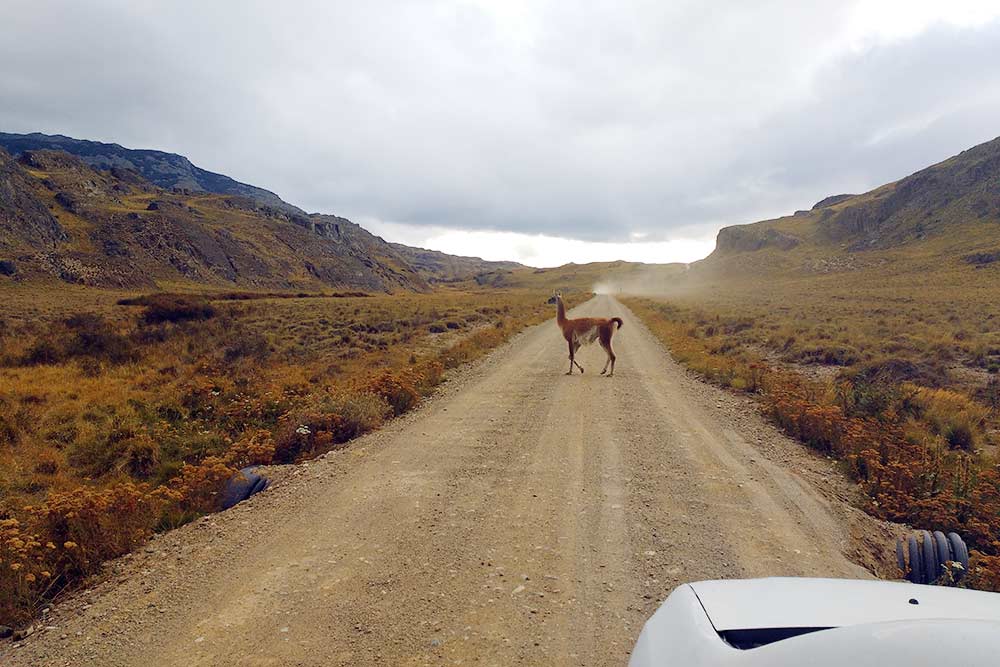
(258, 486)
(241, 486)
(943, 547)
(916, 574)
(932, 568)
(959, 551)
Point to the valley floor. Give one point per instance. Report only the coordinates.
(519, 517)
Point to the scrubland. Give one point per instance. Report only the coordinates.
(894, 374)
(123, 414)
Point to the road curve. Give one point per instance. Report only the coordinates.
(519, 517)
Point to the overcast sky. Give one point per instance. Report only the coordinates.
(538, 131)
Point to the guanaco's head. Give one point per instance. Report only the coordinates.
(555, 298)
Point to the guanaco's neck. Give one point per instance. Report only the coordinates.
(561, 312)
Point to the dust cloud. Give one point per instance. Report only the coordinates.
(658, 280)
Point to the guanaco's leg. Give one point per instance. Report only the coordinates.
(606, 361)
(606, 344)
(570, 371)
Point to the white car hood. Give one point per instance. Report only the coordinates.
(787, 602)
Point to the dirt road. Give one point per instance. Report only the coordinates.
(520, 517)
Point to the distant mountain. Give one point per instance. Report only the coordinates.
(950, 210)
(60, 218)
(437, 266)
(166, 170)
(102, 214)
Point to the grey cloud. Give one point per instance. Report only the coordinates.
(591, 120)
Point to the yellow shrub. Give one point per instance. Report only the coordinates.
(953, 416)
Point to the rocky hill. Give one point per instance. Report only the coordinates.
(949, 210)
(61, 218)
(962, 189)
(437, 266)
(32, 221)
(166, 170)
(25, 222)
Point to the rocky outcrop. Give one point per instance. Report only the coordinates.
(982, 258)
(437, 266)
(962, 189)
(327, 226)
(25, 221)
(830, 201)
(750, 238)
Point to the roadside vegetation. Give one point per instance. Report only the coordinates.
(898, 378)
(121, 415)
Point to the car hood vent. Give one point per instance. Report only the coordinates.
(747, 639)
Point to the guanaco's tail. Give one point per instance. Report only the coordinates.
(618, 320)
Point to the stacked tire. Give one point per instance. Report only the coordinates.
(924, 556)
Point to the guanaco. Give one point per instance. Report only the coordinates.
(586, 330)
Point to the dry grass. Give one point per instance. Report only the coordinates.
(117, 420)
(892, 371)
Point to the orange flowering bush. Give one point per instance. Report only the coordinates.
(25, 570)
(103, 523)
(474, 346)
(429, 375)
(984, 571)
(67, 538)
(395, 388)
(254, 447)
(196, 490)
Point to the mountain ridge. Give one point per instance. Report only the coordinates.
(97, 184)
(950, 207)
(441, 267)
(161, 168)
(115, 229)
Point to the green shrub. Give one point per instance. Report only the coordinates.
(172, 308)
(833, 355)
(82, 335)
(92, 336)
(244, 343)
(327, 423)
(43, 351)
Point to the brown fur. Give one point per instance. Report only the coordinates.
(586, 330)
